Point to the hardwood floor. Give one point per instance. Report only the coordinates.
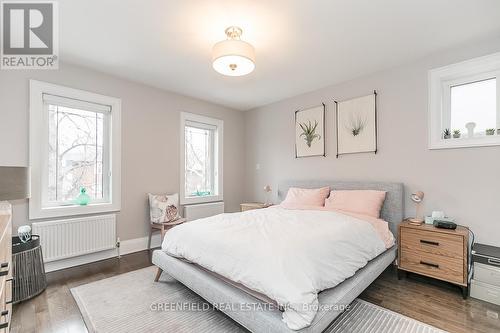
(433, 302)
(55, 310)
(429, 301)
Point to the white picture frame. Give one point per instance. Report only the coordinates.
(356, 122)
(310, 132)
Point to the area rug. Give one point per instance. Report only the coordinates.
(132, 302)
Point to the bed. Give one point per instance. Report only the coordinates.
(269, 319)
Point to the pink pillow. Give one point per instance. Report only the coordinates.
(366, 202)
(305, 197)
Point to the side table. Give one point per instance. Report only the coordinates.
(28, 269)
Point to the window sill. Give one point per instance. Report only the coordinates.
(483, 141)
(72, 210)
(204, 199)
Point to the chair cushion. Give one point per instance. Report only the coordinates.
(163, 207)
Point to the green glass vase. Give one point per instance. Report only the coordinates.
(83, 198)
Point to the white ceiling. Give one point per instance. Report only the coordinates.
(301, 45)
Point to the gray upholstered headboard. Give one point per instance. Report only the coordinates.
(393, 208)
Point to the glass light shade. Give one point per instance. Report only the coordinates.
(233, 57)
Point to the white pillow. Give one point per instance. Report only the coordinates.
(163, 207)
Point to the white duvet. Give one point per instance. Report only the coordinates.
(287, 255)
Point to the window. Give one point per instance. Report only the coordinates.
(76, 157)
(74, 144)
(201, 159)
(463, 108)
(474, 102)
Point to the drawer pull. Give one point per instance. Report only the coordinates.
(429, 242)
(4, 269)
(429, 264)
(495, 262)
(3, 314)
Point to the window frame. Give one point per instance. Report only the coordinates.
(217, 157)
(39, 154)
(81, 105)
(441, 80)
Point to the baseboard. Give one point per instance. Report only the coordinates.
(126, 247)
(80, 260)
(138, 244)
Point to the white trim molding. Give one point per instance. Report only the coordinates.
(186, 117)
(440, 81)
(38, 147)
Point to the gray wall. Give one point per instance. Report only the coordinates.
(465, 183)
(150, 138)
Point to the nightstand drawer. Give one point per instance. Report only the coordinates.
(437, 266)
(6, 249)
(433, 242)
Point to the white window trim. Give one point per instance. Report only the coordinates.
(38, 123)
(440, 81)
(191, 117)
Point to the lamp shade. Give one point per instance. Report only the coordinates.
(417, 196)
(233, 57)
(14, 183)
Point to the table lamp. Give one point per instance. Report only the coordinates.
(14, 183)
(417, 198)
(268, 190)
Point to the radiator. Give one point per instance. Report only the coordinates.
(198, 211)
(67, 238)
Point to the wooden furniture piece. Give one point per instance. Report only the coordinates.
(253, 205)
(163, 228)
(5, 267)
(28, 269)
(435, 252)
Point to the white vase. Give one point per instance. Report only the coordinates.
(470, 129)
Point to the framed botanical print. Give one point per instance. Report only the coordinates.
(357, 125)
(310, 132)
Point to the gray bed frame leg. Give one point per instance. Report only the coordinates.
(158, 274)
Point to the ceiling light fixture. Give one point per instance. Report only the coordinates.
(233, 57)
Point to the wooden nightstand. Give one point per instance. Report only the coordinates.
(253, 205)
(434, 252)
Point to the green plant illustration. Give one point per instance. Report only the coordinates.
(356, 124)
(309, 132)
